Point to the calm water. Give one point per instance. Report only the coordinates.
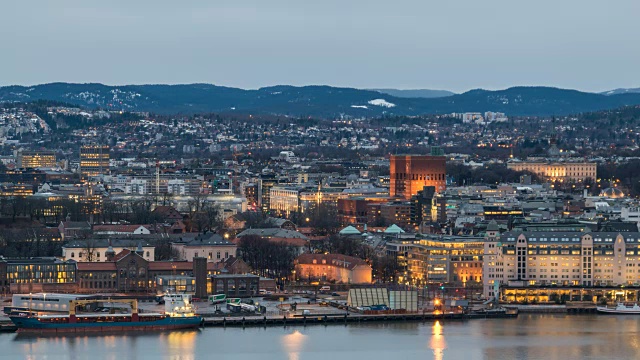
(528, 337)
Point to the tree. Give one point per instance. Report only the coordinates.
(324, 220)
(267, 258)
(164, 250)
(385, 268)
(207, 219)
(89, 250)
(166, 198)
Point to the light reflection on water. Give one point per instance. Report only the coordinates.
(551, 337)
(293, 344)
(437, 344)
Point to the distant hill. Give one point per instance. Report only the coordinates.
(415, 93)
(317, 101)
(621, 91)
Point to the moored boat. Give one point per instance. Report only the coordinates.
(179, 314)
(620, 309)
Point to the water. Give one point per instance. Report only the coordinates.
(528, 337)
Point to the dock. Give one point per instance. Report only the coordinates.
(573, 307)
(327, 319)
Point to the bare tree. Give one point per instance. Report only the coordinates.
(89, 250)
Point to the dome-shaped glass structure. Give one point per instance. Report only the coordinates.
(612, 193)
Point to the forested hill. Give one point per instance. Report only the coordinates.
(316, 101)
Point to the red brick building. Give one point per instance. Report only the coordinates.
(411, 173)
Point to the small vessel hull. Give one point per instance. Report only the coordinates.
(605, 310)
(33, 325)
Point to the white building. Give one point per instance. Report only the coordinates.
(95, 250)
(176, 187)
(472, 117)
(285, 200)
(630, 214)
(137, 186)
(491, 116)
(210, 245)
(561, 258)
(288, 156)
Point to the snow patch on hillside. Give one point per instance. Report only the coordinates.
(381, 102)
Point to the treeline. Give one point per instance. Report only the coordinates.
(625, 176)
(45, 211)
(267, 258)
(27, 243)
(201, 215)
(488, 174)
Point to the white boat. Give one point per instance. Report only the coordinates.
(178, 305)
(620, 309)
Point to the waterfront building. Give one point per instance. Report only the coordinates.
(411, 173)
(561, 258)
(234, 285)
(455, 260)
(175, 283)
(37, 274)
(128, 271)
(333, 267)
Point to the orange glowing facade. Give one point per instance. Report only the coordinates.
(411, 173)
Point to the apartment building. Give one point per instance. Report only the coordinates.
(561, 258)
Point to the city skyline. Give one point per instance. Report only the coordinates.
(412, 45)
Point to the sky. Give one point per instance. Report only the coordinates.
(456, 45)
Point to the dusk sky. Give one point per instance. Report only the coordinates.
(453, 45)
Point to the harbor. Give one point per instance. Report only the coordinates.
(66, 313)
(531, 336)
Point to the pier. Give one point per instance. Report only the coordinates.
(326, 319)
